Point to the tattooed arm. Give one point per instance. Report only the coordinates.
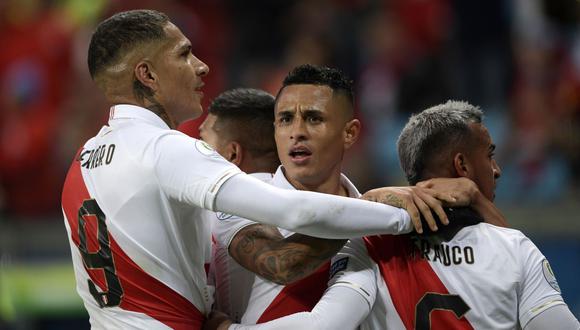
(262, 249)
(265, 252)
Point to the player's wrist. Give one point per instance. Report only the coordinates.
(472, 191)
(478, 200)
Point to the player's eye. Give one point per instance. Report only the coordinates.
(186, 52)
(285, 119)
(314, 119)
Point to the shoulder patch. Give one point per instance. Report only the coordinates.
(204, 148)
(338, 265)
(549, 275)
(223, 216)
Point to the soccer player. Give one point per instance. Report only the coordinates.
(468, 275)
(239, 126)
(134, 193)
(314, 126)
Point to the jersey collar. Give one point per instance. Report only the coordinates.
(459, 218)
(279, 180)
(129, 111)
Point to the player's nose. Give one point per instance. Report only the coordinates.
(298, 130)
(201, 69)
(496, 170)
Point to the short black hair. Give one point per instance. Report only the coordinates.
(246, 115)
(122, 32)
(320, 75)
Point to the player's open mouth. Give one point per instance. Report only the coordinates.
(198, 90)
(299, 154)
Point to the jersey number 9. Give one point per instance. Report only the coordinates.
(102, 259)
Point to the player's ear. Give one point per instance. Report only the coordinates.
(351, 132)
(145, 74)
(235, 153)
(461, 165)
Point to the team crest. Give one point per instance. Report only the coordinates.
(549, 275)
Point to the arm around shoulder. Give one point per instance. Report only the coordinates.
(309, 213)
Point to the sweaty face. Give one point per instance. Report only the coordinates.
(208, 133)
(179, 75)
(309, 131)
(481, 157)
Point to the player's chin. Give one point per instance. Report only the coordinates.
(189, 112)
(196, 109)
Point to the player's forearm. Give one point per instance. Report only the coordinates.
(488, 211)
(339, 308)
(262, 250)
(298, 256)
(309, 213)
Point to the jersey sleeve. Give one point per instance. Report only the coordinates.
(189, 170)
(559, 314)
(226, 226)
(538, 290)
(339, 308)
(309, 213)
(353, 268)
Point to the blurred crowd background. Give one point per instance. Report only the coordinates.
(517, 59)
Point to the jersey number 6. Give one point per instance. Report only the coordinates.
(102, 259)
(436, 301)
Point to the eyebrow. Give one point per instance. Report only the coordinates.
(307, 112)
(284, 113)
(310, 112)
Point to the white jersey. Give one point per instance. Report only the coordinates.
(248, 298)
(485, 277)
(132, 203)
(218, 255)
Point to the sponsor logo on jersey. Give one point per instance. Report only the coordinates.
(338, 265)
(223, 216)
(549, 275)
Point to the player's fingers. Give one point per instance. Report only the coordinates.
(425, 211)
(370, 196)
(425, 184)
(415, 216)
(436, 205)
(442, 196)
